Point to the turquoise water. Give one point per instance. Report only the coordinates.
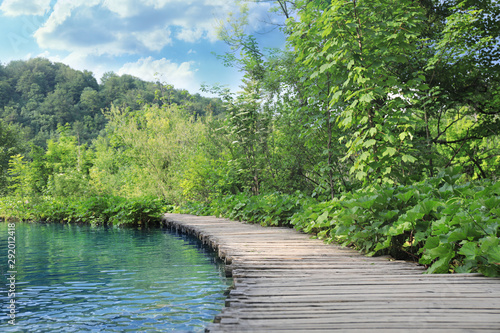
(83, 279)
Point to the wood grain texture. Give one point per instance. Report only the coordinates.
(284, 281)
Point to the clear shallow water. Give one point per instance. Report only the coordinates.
(83, 279)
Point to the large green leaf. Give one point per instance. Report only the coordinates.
(469, 249)
(440, 266)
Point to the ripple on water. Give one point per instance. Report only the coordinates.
(83, 279)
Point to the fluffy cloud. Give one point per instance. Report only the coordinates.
(84, 26)
(127, 26)
(117, 27)
(181, 76)
(154, 40)
(25, 7)
(99, 34)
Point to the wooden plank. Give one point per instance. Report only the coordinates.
(284, 281)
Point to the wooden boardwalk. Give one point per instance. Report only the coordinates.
(284, 281)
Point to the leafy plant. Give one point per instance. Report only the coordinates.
(97, 210)
(443, 224)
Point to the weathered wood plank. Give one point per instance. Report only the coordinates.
(284, 281)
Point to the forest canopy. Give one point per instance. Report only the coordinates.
(39, 96)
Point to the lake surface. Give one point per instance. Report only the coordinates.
(74, 278)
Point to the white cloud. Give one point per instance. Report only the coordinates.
(154, 40)
(97, 34)
(181, 76)
(124, 8)
(118, 27)
(191, 35)
(75, 27)
(25, 7)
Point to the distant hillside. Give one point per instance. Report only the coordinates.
(40, 95)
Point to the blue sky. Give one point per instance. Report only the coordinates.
(170, 40)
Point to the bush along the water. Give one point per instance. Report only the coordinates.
(444, 225)
(96, 210)
(274, 209)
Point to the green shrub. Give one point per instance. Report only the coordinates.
(95, 209)
(274, 209)
(445, 225)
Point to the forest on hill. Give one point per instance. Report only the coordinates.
(39, 96)
(377, 126)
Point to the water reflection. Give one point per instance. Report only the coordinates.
(77, 278)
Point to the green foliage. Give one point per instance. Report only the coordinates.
(40, 96)
(429, 222)
(10, 145)
(20, 175)
(247, 123)
(61, 170)
(353, 61)
(275, 209)
(445, 225)
(96, 210)
(410, 89)
(149, 151)
(205, 178)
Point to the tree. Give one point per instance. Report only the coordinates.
(352, 55)
(462, 65)
(398, 78)
(10, 145)
(156, 143)
(251, 114)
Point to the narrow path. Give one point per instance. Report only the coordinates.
(284, 281)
